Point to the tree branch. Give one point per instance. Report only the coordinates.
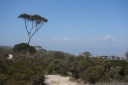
(36, 29)
(26, 26)
(32, 27)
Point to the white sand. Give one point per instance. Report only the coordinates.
(59, 80)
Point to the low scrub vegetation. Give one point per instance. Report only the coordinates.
(20, 73)
(31, 70)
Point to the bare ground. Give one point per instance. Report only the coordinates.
(60, 80)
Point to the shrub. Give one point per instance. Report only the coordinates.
(20, 73)
(93, 74)
(24, 48)
(59, 55)
(126, 71)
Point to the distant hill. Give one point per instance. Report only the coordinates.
(66, 54)
(5, 50)
(5, 47)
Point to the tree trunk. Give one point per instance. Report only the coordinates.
(27, 50)
(29, 40)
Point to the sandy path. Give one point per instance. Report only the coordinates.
(59, 80)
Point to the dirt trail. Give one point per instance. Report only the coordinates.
(59, 80)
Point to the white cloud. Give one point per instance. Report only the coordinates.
(108, 38)
(105, 38)
(60, 39)
(65, 39)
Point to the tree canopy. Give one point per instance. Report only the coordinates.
(36, 21)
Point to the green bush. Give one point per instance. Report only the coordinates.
(93, 74)
(126, 78)
(59, 55)
(24, 48)
(21, 73)
(126, 72)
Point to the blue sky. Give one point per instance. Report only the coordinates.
(74, 26)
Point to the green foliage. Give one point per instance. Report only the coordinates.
(126, 78)
(24, 48)
(30, 71)
(93, 74)
(126, 71)
(50, 69)
(20, 73)
(86, 54)
(114, 73)
(36, 18)
(120, 63)
(36, 21)
(105, 78)
(74, 71)
(32, 50)
(59, 55)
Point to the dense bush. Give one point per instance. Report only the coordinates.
(95, 69)
(89, 69)
(24, 48)
(126, 70)
(31, 70)
(93, 74)
(20, 73)
(59, 55)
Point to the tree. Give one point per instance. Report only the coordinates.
(86, 54)
(126, 55)
(36, 23)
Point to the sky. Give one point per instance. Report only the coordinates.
(74, 26)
